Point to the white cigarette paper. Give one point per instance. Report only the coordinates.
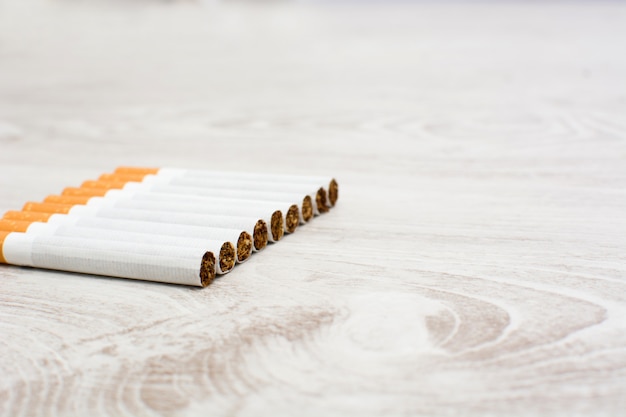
(171, 264)
(225, 251)
(243, 179)
(248, 224)
(207, 204)
(242, 239)
(176, 204)
(268, 196)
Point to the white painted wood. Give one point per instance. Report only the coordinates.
(474, 264)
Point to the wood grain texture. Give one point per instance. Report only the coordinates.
(475, 264)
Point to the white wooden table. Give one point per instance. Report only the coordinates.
(475, 264)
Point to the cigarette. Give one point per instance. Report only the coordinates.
(225, 262)
(226, 250)
(164, 224)
(170, 264)
(163, 202)
(329, 187)
(293, 216)
(311, 186)
(145, 232)
(274, 229)
(244, 239)
(176, 203)
(206, 204)
(258, 197)
(215, 177)
(258, 230)
(217, 205)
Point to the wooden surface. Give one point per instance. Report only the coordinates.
(475, 264)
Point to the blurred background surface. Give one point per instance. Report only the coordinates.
(208, 76)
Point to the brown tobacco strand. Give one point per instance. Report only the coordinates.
(333, 192)
(260, 235)
(277, 225)
(227, 257)
(244, 246)
(320, 200)
(307, 208)
(207, 269)
(292, 219)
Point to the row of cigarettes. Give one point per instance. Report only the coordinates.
(162, 224)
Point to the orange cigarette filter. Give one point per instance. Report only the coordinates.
(48, 208)
(136, 170)
(66, 199)
(29, 216)
(3, 235)
(121, 177)
(14, 225)
(84, 192)
(109, 185)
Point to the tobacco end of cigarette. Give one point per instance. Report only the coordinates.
(320, 200)
(259, 235)
(333, 192)
(227, 257)
(292, 219)
(277, 225)
(244, 246)
(207, 269)
(307, 208)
